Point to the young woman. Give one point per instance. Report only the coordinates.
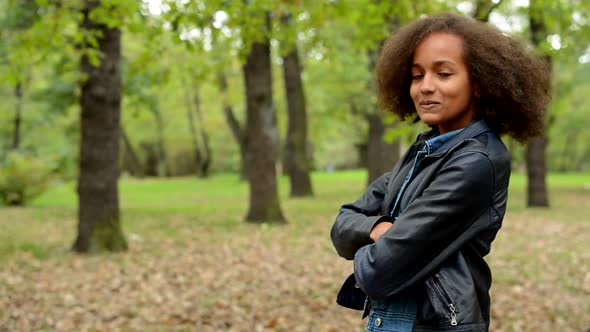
(419, 234)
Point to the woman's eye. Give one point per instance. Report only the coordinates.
(417, 76)
(444, 75)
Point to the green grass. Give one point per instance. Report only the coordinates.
(181, 192)
(221, 201)
(555, 182)
(149, 205)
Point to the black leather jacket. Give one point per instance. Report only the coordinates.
(451, 212)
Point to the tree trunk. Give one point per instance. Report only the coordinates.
(381, 155)
(536, 171)
(535, 149)
(233, 123)
(568, 154)
(131, 156)
(152, 160)
(16, 138)
(163, 169)
(580, 163)
(297, 156)
(260, 136)
(206, 160)
(99, 225)
(191, 122)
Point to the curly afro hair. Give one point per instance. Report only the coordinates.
(514, 84)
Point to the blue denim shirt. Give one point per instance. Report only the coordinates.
(399, 313)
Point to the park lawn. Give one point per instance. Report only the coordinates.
(194, 265)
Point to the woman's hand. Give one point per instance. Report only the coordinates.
(379, 230)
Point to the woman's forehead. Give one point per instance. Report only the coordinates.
(439, 48)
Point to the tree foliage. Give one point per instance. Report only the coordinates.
(40, 44)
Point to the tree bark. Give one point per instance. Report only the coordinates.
(133, 160)
(202, 158)
(580, 163)
(191, 123)
(152, 160)
(260, 135)
(16, 138)
(99, 225)
(297, 157)
(236, 128)
(536, 171)
(163, 169)
(535, 149)
(568, 154)
(206, 160)
(381, 155)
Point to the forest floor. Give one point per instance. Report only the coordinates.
(194, 265)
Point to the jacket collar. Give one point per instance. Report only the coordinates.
(473, 129)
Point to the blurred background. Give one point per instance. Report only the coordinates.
(173, 165)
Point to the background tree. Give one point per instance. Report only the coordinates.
(373, 22)
(27, 168)
(260, 137)
(382, 154)
(261, 148)
(537, 194)
(237, 129)
(99, 225)
(202, 155)
(19, 18)
(297, 157)
(484, 8)
(203, 40)
(223, 39)
(145, 73)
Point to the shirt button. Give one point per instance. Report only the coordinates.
(378, 322)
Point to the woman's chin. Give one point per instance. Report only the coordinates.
(429, 120)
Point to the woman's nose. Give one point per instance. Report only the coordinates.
(427, 85)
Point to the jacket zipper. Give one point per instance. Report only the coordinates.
(440, 290)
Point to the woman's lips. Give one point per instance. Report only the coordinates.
(428, 104)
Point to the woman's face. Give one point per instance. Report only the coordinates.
(441, 88)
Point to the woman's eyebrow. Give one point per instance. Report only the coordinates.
(435, 63)
(443, 62)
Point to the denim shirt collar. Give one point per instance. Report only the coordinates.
(473, 129)
(434, 143)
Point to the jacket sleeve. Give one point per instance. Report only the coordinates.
(356, 220)
(432, 227)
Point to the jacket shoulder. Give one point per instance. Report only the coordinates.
(489, 144)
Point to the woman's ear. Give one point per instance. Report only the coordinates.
(476, 90)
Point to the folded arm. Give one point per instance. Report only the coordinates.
(356, 220)
(433, 227)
